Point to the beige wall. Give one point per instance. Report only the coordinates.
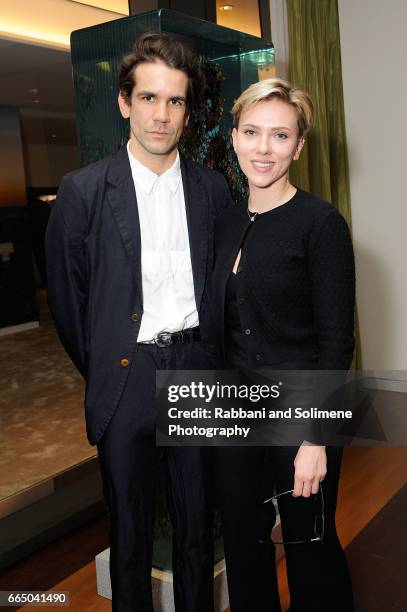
(374, 51)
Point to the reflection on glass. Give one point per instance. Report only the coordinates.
(232, 60)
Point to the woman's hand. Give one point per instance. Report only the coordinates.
(310, 469)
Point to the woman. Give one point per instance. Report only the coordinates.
(284, 297)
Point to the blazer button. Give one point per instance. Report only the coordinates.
(241, 301)
(247, 332)
(135, 317)
(124, 362)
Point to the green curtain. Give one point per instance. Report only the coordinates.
(315, 64)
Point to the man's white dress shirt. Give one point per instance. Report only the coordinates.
(166, 269)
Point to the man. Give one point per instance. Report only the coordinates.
(129, 247)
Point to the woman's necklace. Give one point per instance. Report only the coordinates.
(252, 215)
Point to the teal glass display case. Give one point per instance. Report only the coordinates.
(231, 60)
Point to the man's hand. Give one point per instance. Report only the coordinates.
(310, 469)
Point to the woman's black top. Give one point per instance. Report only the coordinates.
(295, 292)
(235, 341)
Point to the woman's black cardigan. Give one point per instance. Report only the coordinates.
(297, 282)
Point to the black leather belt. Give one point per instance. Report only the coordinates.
(164, 339)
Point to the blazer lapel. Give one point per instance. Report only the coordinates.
(196, 204)
(123, 202)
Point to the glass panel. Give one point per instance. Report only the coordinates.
(232, 61)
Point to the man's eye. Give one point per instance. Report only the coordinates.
(148, 98)
(177, 102)
(281, 136)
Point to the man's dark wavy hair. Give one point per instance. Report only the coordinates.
(155, 46)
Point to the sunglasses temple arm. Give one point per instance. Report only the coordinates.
(278, 495)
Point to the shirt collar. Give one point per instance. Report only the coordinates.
(146, 178)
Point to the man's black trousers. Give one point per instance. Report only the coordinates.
(130, 463)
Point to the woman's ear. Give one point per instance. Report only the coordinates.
(298, 150)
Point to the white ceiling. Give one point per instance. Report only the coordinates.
(116, 6)
(244, 16)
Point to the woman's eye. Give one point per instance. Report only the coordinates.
(249, 132)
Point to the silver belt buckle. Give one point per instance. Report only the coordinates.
(163, 339)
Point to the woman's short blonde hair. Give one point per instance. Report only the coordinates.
(268, 89)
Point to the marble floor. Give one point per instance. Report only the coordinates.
(42, 427)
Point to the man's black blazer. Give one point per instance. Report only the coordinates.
(93, 250)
